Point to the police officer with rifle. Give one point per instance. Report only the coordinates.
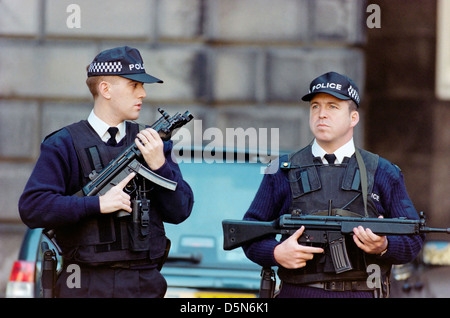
(105, 185)
(331, 177)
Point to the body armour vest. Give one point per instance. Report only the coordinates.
(330, 190)
(106, 237)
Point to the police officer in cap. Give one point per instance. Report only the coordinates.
(88, 231)
(331, 176)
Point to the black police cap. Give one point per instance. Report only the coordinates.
(335, 84)
(122, 61)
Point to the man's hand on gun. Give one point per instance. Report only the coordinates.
(116, 199)
(151, 146)
(290, 254)
(369, 242)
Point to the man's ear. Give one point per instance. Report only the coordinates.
(354, 117)
(103, 89)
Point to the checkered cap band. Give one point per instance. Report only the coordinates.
(353, 93)
(105, 68)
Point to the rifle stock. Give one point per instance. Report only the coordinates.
(237, 233)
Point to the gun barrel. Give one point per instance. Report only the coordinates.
(435, 230)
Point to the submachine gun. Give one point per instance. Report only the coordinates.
(330, 230)
(127, 162)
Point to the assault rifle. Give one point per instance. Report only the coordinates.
(329, 230)
(128, 161)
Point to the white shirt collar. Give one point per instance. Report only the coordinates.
(101, 128)
(346, 150)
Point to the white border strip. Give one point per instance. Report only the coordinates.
(443, 50)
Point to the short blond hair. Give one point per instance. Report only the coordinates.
(92, 82)
(352, 105)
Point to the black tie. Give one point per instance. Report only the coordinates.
(112, 131)
(331, 158)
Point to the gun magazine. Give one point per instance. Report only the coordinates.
(339, 256)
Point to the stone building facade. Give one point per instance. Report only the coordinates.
(232, 63)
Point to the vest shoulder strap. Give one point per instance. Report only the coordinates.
(371, 162)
